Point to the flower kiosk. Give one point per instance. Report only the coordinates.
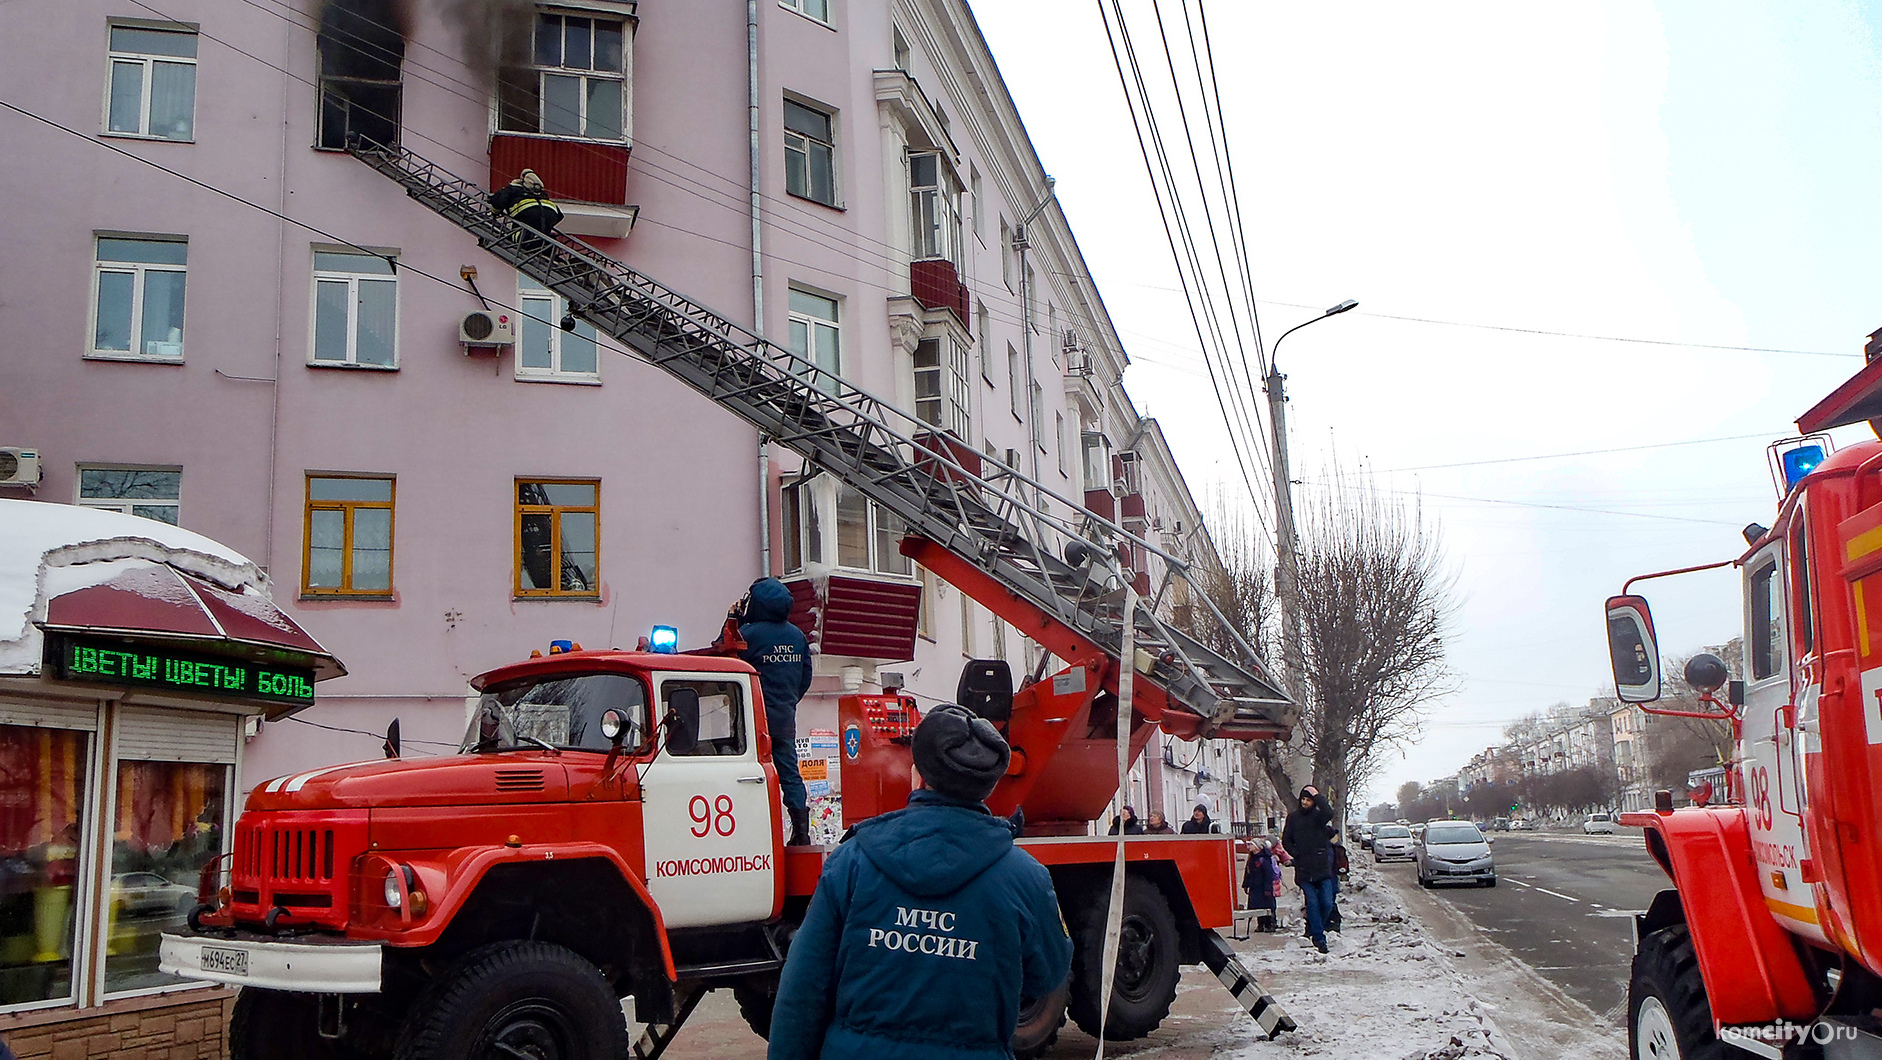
(133, 656)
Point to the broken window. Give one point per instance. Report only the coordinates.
(362, 44)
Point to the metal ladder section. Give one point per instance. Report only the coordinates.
(1045, 548)
(1227, 965)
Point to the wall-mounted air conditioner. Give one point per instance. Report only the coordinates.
(484, 328)
(18, 467)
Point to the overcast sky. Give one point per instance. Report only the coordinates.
(1697, 172)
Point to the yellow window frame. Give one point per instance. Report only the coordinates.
(310, 506)
(555, 512)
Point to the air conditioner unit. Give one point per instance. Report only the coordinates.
(19, 467)
(483, 327)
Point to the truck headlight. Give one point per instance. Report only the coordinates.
(394, 895)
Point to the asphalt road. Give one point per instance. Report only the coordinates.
(1564, 905)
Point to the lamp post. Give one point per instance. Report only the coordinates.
(1287, 572)
(1022, 242)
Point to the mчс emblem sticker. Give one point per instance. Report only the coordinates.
(852, 741)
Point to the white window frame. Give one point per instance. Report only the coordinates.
(800, 142)
(583, 75)
(527, 292)
(353, 280)
(900, 52)
(976, 194)
(127, 504)
(1015, 382)
(934, 211)
(983, 331)
(147, 60)
(1038, 416)
(137, 270)
(952, 399)
(813, 325)
(803, 7)
(1006, 255)
(1065, 470)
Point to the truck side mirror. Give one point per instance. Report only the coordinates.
(682, 721)
(1632, 649)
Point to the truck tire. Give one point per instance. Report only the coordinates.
(517, 999)
(278, 1025)
(1148, 963)
(1039, 1023)
(755, 1003)
(1668, 1016)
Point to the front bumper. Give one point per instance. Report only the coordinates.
(314, 966)
(1440, 872)
(1390, 854)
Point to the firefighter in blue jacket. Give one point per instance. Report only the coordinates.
(929, 926)
(778, 651)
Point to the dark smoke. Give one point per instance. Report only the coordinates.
(495, 35)
(363, 40)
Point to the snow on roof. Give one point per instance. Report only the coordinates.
(49, 549)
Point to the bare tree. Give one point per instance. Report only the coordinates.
(1528, 727)
(1375, 601)
(1677, 747)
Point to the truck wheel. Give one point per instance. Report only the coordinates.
(277, 1025)
(1039, 1023)
(755, 1002)
(1668, 1016)
(516, 999)
(1147, 964)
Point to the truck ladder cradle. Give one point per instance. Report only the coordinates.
(654, 1040)
(1222, 959)
(1043, 549)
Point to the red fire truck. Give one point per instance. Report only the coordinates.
(611, 825)
(1770, 940)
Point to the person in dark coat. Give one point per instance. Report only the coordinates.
(527, 201)
(1158, 824)
(778, 651)
(1199, 822)
(928, 929)
(1259, 880)
(1308, 839)
(1127, 823)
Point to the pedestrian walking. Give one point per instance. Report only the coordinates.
(1199, 822)
(1309, 841)
(1262, 882)
(928, 928)
(1158, 824)
(778, 651)
(1127, 823)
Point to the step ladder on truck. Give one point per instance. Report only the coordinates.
(612, 827)
(1769, 941)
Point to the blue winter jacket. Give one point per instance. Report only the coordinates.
(775, 647)
(925, 931)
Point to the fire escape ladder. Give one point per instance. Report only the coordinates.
(1046, 549)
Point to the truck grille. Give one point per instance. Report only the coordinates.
(298, 862)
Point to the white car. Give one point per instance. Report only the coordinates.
(1392, 842)
(1598, 824)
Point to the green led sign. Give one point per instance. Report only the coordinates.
(142, 666)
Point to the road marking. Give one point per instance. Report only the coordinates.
(1544, 890)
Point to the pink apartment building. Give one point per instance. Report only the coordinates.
(256, 337)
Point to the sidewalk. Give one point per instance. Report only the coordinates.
(1393, 988)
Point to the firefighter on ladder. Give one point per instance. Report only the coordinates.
(526, 200)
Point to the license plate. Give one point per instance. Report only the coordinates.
(227, 962)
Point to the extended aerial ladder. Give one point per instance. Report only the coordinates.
(1039, 560)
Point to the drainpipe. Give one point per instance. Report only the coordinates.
(757, 276)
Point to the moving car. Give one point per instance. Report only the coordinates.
(1501, 824)
(1454, 852)
(1392, 841)
(1365, 834)
(1598, 824)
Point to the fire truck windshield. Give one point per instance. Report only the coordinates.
(558, 712)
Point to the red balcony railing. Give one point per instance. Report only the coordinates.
(936, 285)
(576, 170)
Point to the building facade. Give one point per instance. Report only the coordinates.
(229, 324)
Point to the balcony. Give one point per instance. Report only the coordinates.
(937, 285)
(1101, 502)
(854, 615)
(587, 179)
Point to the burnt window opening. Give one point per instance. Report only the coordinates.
(574, 84)
(362, 45)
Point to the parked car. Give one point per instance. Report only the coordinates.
(1454, 852)
(148, 894)
(1522, 824)
(1598, 824)
(1392, 842)
(1366, 832)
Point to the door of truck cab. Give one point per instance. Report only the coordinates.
(707, 809)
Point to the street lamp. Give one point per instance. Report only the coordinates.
(1286, 583)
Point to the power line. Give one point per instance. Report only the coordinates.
(1584, 452)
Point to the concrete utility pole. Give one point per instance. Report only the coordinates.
(1286, 546)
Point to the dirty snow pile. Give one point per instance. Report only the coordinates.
(1386, 991)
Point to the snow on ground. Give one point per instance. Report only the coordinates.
(1387, 991)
